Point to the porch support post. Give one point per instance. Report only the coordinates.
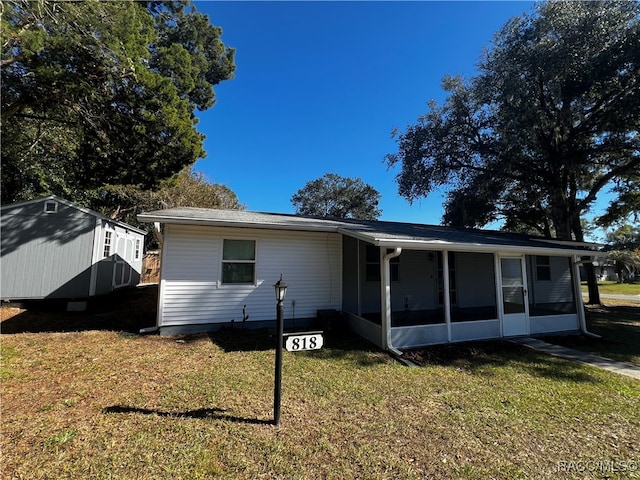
(359, 293)
(445, 292)
(385, 297)
(499, 306)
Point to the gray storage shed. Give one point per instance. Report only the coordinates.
(52, 248)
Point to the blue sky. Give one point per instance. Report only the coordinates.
(320, 85)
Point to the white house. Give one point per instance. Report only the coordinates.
(53, 248)
(399, 285)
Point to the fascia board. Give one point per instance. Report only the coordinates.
(595, 246)
(463, 247)
(481, 248)
(236, 224)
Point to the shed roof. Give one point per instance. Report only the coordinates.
(380, 233)
(68, 203)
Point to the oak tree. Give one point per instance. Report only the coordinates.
(335, 196)
(550, 120)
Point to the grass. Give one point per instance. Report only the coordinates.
(615, 288)
(101, 404)
(618, 323)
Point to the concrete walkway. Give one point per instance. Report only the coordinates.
(631, 298)
(621, 368)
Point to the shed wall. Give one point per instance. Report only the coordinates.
(45, 255)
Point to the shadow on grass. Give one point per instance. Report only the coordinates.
(243, 340)
(125, 310)
(200, 413)
(338, 344)
(480, 358)
(619, 327)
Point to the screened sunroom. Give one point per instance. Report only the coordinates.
(413, 297)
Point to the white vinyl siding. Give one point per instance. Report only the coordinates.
(559, 289)
(191, 286)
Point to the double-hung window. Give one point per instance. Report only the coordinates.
(137, 250)
(238, 262)
(543, 268)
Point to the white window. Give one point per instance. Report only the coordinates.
(107, 244)
(50, 207)
(239, 261)
(543, 268)
(137, 254)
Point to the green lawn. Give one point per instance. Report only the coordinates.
(615, 288)
(618, 323)
(107, 405)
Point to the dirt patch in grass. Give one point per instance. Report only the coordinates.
(453, 354)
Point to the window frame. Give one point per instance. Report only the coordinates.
(373, 274)
(137, 249)
(107, 243)
(224, 261)
(544, 267)
(50, 203)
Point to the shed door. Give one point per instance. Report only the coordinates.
(123, 259)
(515, 316)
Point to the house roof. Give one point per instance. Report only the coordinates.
(380, 233)
(77, 207)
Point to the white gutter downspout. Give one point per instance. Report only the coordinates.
(579, 302)
(446, 292)
(385, 297)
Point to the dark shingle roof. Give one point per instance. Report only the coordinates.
(407, 235)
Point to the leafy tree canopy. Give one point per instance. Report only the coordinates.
(336, 196)
(187, 188)
(550, 120)
(627, 205)
(625, 237)
(99, 93)
(626, 263)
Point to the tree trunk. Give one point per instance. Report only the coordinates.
(589, 269)
(592, 283)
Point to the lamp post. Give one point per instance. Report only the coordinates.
(281, 291)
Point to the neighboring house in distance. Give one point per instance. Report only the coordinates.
(605, 271)
(399, 285)
(52, 248)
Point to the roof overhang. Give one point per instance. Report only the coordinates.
(553, 248)
(155, 217)
(376, 233)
